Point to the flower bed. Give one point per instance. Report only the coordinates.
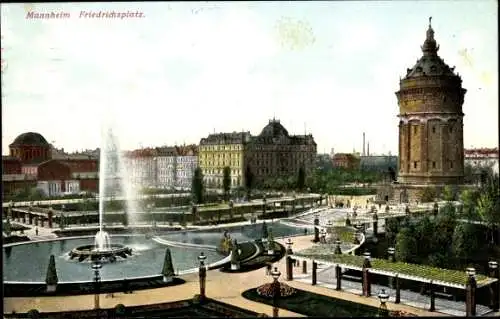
(428, 272)
(266, 290)
(401, 313)
(345, 234)
(316, 305)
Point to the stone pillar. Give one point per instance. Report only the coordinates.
(316, 234)
(398, 289)
(494, 287)
(338, 274)
(50, 216)
(289, 268)
(366, 276)
(433, 297)
(314, 272)
(375, 224)
(470, 294)
(304, 267)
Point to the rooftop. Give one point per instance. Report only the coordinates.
(30, 138)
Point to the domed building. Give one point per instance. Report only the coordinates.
(272, 153)
(31, 164)
(30, 147)
(430, 102)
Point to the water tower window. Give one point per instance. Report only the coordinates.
(451, 129)
(433, 129)
(415, 129)
(414, 164)
(433, 164)
(451, 164)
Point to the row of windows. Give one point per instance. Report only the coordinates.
(415, 129)
(232, 147)
(225, 163)
(416, 164)
(220, 171)
(221, 155)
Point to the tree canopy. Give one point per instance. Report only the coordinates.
(197, 188)
(226, 181)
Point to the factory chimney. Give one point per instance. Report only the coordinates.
(368, 149)
(364, 144)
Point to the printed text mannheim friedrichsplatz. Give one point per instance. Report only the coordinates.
(85, 15)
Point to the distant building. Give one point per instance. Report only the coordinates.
(165, 167)
(272, 153)
(346, 160)
(379, 162)
(31, 164)
(482, 157)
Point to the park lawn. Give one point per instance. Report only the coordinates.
(315, 305)
(424, 271)
(346, 234)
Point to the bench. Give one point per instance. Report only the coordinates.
(352, 278)
(444, 295)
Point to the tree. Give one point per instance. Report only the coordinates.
(488, 205)
(51, 278)
(7, 227)
(235, 254)
(406, 246)
(197, 188)
(226, 181)
(391, 229)
(301, 178)
(448, 193)
(428, 195)
(168, 268)
(464, 243)
(248, 181)
(469, 198)
(265, 233)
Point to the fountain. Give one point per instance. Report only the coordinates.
(111, 169)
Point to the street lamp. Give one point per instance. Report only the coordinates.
(289, 243)
(471, 271)
(202, 274)
(96, 266)
(276, 290)
(383, 297)
(470, 303)
(391, 251)
(323, 235)
(495, 287)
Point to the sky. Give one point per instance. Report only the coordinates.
(186, 69)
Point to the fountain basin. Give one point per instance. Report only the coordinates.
(109, 253)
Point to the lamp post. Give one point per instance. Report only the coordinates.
(323, 236)
(391, 251)
(202, 274)
(96, 266)
(383, 297)
(289, 244)
(470, 288)
(366, 274)
(289, 260)
(495, 287)
(276, 290)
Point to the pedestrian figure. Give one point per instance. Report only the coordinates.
(125, 286)
(36, 231)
